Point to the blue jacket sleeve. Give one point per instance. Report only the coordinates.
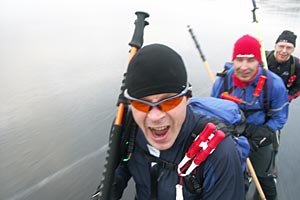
(279, 104)
(217, 86)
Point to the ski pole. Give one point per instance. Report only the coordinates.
(262, 48)
(265, 65)
(112, 155)
(253, 174)
(206, 65)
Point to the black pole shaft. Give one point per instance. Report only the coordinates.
(197, 44)
(113, 152)
(253, 11)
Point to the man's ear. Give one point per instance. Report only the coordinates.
(189, 92)
(188, 99)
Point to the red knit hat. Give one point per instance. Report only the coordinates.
(247, 46)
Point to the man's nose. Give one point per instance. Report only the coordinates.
(155, 114)
(244, 64)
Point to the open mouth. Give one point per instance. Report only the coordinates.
(245, 75)
(159, 133)
(283, 56)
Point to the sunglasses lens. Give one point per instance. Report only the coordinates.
(170, 104)
(164, 106)
(140, 106)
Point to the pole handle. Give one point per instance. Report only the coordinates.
(138, 35)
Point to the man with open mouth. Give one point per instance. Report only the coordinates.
(158, 91)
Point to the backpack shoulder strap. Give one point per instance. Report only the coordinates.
(164, 164)
(293, 66)
(267, 88)
(224, 74)
(194, 181)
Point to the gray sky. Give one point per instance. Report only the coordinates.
(37, 31)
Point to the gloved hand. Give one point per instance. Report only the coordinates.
(253, 147)
(259, 136)
(118, 187)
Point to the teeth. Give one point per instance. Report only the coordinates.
(158, 128)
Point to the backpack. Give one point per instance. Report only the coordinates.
(228, 112)
(220, 108)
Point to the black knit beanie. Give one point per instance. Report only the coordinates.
(155, 69)
(287, 36)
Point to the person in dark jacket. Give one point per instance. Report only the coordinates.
(241, 85)
(158, 91)
(284, 64)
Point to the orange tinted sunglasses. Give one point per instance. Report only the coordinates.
(163, 105)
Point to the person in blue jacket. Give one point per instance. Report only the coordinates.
(158, 91)
(239, 84)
